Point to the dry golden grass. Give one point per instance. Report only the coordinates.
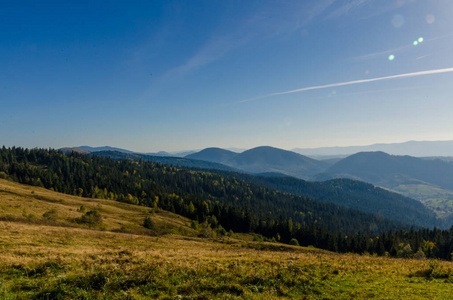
(30, 202)
(45, 261)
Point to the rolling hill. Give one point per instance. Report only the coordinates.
(216, 155)
(347, 193)
(103, 148)
(382, 169)
(89, 149)
(176, 161)
(427, 180)
(236, 204)
(56, 258)
(264, 160)
(357, 195)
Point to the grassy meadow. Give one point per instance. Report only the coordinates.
(46, 254)
(435, 198)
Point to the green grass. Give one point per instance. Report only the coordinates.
(61, 259)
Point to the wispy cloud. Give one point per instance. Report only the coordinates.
(424, 56)
(272, 20)
(318, 87)
(208, 53)
(347, 7)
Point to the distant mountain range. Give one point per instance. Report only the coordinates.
(176, 161)
(391, 171)
(428, 149)
(427, 179)
(344, 192)
(88, 149)
(412, 148)
(264, 159)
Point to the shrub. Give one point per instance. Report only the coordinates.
(92, 217)
(220, 230)
(50, 215)
(419, 254)
(294, 242)
(148, 223)
(82, 208)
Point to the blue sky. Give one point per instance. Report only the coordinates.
(178, 75)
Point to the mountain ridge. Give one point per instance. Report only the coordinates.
(412, 148)
(264, 159)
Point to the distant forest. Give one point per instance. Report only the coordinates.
(223, 203)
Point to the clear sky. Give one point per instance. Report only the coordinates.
(179, 75)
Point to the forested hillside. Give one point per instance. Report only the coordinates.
(219, 202)
(235, 203)
(357, 195)
(344, 192)
(176, 161)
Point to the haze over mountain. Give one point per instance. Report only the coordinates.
(390, 170)
(88, 149)
(264, 159)
(214, 154)
(412, 148)
(429, 181)
(103, 148)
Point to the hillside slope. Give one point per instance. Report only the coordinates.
(33, 204)
(57, 259)
(175, 161)
(217, 155)
(428, 181)
(357, 195)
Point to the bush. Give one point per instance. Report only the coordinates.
(294, 242)
(92, 217)
(50, 215)
(220, 230)
(82, 208)
(148, 223)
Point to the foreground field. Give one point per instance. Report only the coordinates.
(60, 259)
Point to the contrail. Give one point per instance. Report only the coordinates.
(318, 87)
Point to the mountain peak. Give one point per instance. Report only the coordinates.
(263, 159)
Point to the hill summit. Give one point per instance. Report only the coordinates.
(264, 159)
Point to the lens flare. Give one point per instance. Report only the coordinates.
(420, 39)
(415, 43)
(391, 57)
